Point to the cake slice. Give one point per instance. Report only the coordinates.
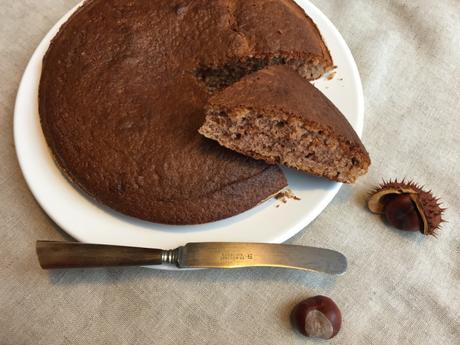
(276, 116)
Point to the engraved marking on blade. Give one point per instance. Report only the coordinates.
(232, 257)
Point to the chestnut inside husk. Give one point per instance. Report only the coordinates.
(407, 206)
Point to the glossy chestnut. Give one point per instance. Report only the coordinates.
(317, 316)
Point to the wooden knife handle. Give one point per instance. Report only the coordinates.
(55, 254)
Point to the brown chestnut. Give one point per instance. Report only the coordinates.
(401, 212)
(407, 206)
(317, 317)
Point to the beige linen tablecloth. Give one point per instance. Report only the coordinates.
(400, 288)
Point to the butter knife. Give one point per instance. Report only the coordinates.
(55, 254)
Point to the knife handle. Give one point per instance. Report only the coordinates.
(56, 254)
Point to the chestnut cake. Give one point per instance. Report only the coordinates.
(276, 116)
(123, 90)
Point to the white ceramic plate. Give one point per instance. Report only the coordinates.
(90, 222)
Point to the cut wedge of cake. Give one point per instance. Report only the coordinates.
(275, 116)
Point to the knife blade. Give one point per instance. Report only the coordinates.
(56, 254)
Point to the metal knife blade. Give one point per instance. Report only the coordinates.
(234, 255)
(55, 254)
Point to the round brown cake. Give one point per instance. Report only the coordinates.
(123, 90)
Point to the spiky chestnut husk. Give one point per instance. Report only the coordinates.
(392, 198)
